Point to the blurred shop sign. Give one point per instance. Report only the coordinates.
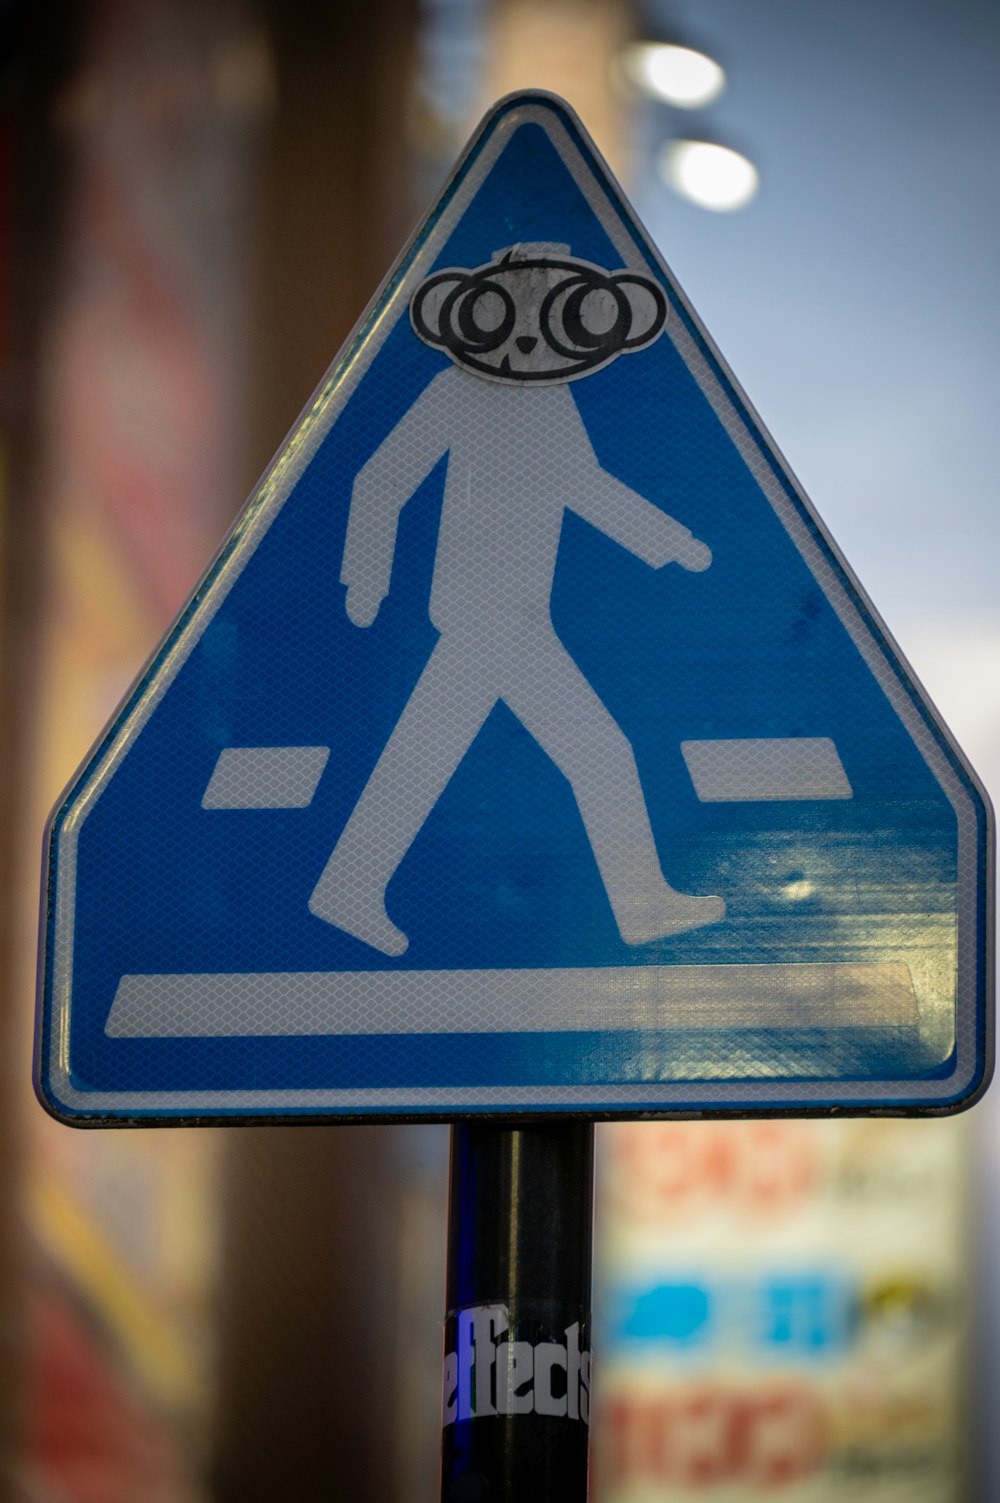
(593, 786)
(783, 1312)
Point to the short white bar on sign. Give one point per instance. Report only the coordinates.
(765, 767)
(265, 777)
(321, 1003)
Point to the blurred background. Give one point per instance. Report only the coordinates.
(196, 202)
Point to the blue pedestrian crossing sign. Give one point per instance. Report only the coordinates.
(528, 747)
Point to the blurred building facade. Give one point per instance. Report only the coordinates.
(784, 1311)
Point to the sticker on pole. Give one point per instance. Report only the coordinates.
(528, 747)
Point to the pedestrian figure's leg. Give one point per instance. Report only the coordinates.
(554, 701)
(452, 698)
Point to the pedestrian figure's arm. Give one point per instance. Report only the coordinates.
(639, 526)
(620, 512)
(381, 490)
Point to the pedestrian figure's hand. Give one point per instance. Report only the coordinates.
(694, 555)
(362, 605)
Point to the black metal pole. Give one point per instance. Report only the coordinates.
(517, 1334)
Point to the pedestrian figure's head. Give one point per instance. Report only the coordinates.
(535, 313)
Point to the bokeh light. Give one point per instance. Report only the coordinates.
(677, 75)
(712, 176)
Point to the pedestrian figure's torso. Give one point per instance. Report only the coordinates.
(506, 490)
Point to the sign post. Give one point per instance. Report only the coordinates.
(517, 1334)
(528, 753)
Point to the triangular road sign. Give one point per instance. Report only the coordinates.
(528, 746)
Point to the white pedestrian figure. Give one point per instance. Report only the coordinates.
(518, 330)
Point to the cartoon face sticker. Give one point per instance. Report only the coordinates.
(535, 313)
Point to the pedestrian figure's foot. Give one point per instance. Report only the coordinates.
(361, 915)
(673, 913)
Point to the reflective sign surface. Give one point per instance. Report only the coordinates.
(528, 746)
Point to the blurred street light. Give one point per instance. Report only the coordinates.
(712, 176)
(670, 77)
(676, 75)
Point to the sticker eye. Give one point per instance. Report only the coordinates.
(648, 308)
(591, 316)
(483, 316)
(585, 316)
